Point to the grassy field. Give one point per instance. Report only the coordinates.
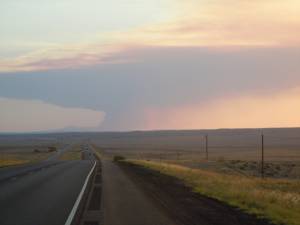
(237, 144)
(275, 199)
(236, 151)
(11, 162)
(21, 149)
(16, 158)
(273, 169)
(285, 170)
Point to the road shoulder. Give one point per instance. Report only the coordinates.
(184, 205)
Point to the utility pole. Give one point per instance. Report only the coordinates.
(262, 156)
(206, 146)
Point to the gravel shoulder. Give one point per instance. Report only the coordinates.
(125, 203)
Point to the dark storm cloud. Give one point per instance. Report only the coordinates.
(159, 77)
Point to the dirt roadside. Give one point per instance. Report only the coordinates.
(123, 202)
(182, 204)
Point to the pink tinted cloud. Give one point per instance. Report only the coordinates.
(276, 110)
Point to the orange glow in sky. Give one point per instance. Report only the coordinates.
(278, 110)
(203, 23)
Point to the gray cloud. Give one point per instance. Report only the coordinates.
(159, 77)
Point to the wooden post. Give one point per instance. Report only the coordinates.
(262, 156)
(206, 146)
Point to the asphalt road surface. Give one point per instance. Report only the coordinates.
(42, 193)
(59, 152)
(10, 172)
(123, 203)
(87, 153)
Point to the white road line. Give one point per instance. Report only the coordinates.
(74, 209)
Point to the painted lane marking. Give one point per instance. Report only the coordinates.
(75, 207)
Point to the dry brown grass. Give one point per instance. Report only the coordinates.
(11, 162)
(10, 159)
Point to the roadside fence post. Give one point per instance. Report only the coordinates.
(206, 146)
(262, 156)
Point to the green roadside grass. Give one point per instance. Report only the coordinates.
(275, 199)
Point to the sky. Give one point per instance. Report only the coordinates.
(119, 65)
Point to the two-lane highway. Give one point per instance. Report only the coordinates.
(15, 171)
(42, 193)
(48, 191)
